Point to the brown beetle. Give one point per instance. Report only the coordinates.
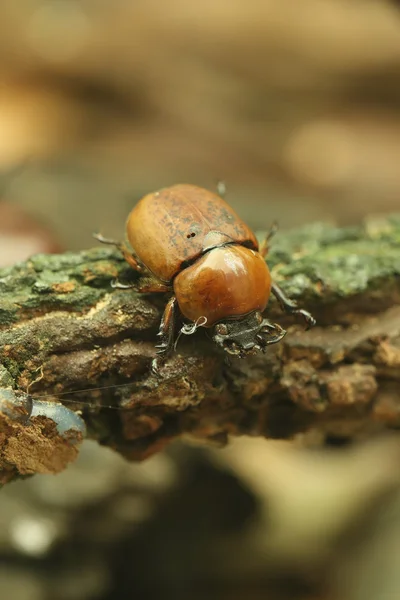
(191, 243)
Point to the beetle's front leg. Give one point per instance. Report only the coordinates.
(166, 333)
(128, 256)
(150, 287)
(264, 246)
(290, 307)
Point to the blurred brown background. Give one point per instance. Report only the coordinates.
(296, 105)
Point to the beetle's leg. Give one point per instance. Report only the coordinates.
(128, 256)
(290, 306)
(265, 243)
(151, 287)
(117, 285)
(166, 333)
(154, 287)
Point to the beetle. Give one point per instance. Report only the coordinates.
(191, 243)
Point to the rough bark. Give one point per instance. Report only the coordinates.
(62, 324)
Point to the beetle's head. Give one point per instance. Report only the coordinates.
(247, 335)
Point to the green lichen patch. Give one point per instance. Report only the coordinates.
(330, 263)
(57, 282)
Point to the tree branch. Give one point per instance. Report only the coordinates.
(62, 324)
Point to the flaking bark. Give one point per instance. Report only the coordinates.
(61, 323)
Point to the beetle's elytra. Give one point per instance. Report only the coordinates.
(193, 245)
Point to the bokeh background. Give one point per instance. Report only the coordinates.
(296, 106)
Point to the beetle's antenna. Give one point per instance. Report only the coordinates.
(221, 188)
(190, 329)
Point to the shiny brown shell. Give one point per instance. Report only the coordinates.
(226, 282)
(171, 228)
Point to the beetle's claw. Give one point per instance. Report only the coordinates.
(162, 352)
(309, 319)
(274, 335)
(155, 367)
(100, 238)
(156, 363)
(162, 345)
(117, 285)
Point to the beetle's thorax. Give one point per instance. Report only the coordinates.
(225, 282)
